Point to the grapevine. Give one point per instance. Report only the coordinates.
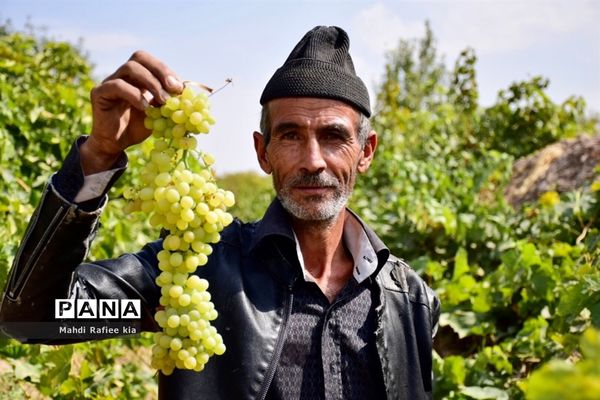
(181, 196)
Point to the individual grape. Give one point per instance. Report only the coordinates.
(173, 321)
(179, 279)
(192, 262)
(159, 125)
(176, 259)
(184, 300)
(172, 195)
(178, 131)
(184, 320)
(183, 188)
(190, 362)
(161, 318)
(146, 193)
(175, 344)
(162, 180)
(187, 215)
(219, 348)
(186, 201)
(165, 340)
(179, 117)
(189, 236)
(182, 225)
(211, 217)
(172, 242)
(172, 103)
(203, 306)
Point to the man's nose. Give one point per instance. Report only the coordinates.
(312, 158)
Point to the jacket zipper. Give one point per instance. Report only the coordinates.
(278, 347)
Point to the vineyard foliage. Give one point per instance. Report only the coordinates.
(520, 289)
(253, 194)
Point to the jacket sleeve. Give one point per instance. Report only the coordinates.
(49, 265)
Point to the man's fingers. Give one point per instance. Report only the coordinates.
(167, 78)
(148, 74)
(118, 89)
(138, 75)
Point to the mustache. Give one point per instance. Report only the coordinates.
(317, 180)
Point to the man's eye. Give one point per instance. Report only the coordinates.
(289, 135)
(334, 136)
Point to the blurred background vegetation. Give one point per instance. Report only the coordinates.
(519, 283)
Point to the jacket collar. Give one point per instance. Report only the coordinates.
(276, 223)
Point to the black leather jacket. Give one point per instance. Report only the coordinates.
(251, 271)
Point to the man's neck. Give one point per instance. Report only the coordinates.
(326, 258)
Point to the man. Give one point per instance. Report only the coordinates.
(311, 304)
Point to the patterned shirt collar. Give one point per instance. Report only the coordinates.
(359, 246)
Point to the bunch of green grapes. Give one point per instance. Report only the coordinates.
(180, 195)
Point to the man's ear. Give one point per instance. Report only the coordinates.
(367, 152)
(261, 152)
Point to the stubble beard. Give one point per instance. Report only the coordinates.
(318, 208)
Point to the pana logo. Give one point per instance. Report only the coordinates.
(97, 309)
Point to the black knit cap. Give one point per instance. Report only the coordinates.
(320, 66)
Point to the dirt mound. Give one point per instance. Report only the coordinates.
(562, 166)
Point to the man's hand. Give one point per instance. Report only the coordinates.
(118, 106)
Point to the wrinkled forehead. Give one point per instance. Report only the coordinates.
(309, 110)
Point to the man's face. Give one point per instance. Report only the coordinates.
(314, 155)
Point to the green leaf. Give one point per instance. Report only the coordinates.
(57, 365)
(68, 386)
(25, 370)
(582, 294)
(530, 255)
(484, 392)
(461, 263)
(461, 322)
(590, 345)
(84, 370)
(454, 369)
(450, 222)
(435, 270)
(543, 282)
(481, 302)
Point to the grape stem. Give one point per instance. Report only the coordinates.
(198, 85)
(227, 82)
(185, 162)
(207, 88)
